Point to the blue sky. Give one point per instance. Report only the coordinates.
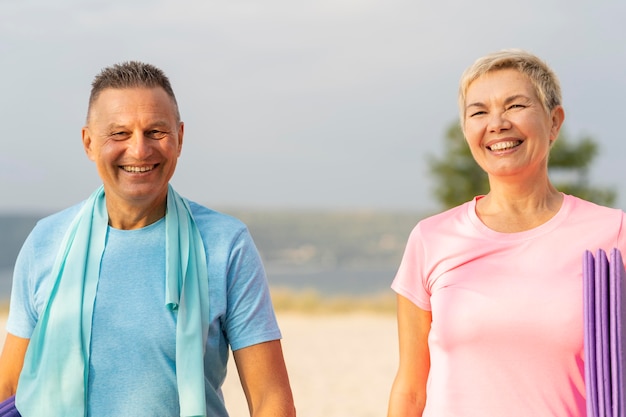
(332, 104)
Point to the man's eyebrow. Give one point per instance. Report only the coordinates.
(156, 123)
(114, 126)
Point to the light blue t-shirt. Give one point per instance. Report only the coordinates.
(132, 368)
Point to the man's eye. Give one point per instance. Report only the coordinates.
(156, 134)
(119, 135)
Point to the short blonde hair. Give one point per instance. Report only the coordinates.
(542, 77)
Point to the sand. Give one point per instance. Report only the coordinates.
(340, 365)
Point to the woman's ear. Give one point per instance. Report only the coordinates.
(557, 116)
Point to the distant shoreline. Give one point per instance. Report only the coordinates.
(310, 290)
(287, 300)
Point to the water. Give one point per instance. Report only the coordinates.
(6, 276)
(334, 281)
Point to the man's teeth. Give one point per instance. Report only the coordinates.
(500, 146)
(137, 169)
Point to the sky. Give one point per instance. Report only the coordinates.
(327, 104)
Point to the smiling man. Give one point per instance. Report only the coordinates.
(127, 303)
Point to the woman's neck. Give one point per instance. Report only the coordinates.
(516, 208)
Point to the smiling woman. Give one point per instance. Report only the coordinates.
(481, 331)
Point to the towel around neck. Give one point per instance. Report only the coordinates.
(54, 378)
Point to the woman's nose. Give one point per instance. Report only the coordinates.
(498, 122)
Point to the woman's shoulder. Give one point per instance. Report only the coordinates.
(583, 214)
(453, 221)
(457, 213)
(581, 207)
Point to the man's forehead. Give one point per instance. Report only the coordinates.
(121, 100)
(123, 91)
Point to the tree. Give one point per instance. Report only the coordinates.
(458, 178)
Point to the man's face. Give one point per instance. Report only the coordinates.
(134, 137)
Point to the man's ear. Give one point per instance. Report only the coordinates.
(86, 136)
(181, 133)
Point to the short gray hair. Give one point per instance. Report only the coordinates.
(544, 80)
(130, 74)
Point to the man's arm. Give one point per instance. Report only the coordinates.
(11, 362)
(264, 380)
(408, 394)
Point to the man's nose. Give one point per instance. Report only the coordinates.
(139, 145)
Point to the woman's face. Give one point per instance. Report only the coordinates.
(508, 130)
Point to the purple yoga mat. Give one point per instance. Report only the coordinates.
(591, 374)
(603, 345)
(604, 296)
(617, 291)
(7, 408)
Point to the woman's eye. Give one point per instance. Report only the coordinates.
(478, 113)
(516, 106)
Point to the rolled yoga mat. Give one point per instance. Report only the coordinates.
(7, 408)
(604, 295)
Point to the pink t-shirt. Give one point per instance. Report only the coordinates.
(507, 330)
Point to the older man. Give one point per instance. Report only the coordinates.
(126, 304)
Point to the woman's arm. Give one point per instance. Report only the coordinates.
(11, 362)
(408, 393)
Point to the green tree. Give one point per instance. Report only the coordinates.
(458, 178)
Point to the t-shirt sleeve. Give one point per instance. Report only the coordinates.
(32, 281)
(22, 313)
(621, 238)
(410, 280)
(250, 317)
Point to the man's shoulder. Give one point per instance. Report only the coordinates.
(58, 221)
(211, 220)
(49, 231)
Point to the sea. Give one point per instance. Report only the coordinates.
(334, 281)
(330, 281)
(6, 276)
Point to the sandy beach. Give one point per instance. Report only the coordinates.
(340, 365)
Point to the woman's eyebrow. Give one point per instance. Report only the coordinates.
(516, 97)
(475, 104)
(506, 101)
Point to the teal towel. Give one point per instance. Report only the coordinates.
(54, 378)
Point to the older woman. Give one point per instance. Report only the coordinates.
(490, 301)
